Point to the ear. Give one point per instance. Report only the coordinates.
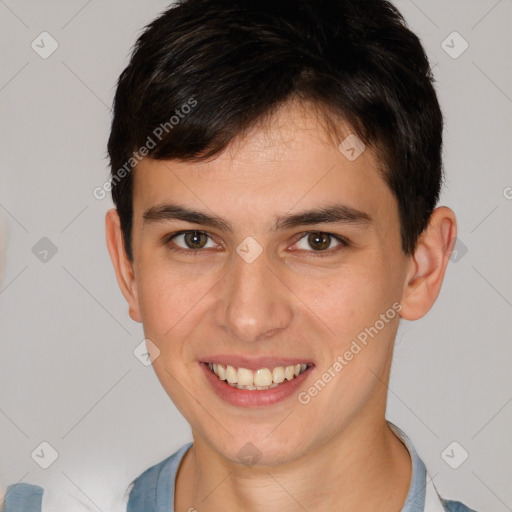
(123, 266)
(428, 264)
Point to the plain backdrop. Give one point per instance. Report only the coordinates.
(68, 374)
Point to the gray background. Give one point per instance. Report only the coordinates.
(68, 375)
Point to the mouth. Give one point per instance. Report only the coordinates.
(261, 379)
(257, 382)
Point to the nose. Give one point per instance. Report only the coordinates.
(253, 303)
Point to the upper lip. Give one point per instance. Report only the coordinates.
(255, 363)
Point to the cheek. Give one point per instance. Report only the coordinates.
(170, 300)
(348, 299)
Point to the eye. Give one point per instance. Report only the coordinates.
(191, 241)
(320, 241)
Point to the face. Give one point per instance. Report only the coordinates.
(282, 252)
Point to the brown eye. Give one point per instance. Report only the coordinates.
(192, 240)
(195, 239)
(319, 241)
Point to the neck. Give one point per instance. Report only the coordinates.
(363, 468)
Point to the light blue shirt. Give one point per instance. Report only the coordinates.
(153, 490)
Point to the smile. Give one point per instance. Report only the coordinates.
(261, 379)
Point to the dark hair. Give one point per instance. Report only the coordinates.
(234, 62)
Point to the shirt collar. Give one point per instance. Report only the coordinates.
(422, 495)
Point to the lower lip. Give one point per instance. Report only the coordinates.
(257, 397)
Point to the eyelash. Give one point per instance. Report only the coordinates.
(195, 252)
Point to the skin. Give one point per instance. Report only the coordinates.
(337, 452)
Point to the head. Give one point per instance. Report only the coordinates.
(275, 169)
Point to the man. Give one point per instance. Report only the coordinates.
(275, 169)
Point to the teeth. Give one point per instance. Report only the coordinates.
(278, 374)
(244, 377)
(263, 378)
(231, 374)
(246, 386)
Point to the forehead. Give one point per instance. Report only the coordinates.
(289, 161)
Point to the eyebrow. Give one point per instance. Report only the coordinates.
(329, 214)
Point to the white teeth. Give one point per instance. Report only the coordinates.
(230, 374)
(289, 372)
(244, 377)
(278, 374)
(263, 378)
(248, 386)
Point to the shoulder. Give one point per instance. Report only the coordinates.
(155, 486)
(456, 506)
(22, 497)
(149, 492)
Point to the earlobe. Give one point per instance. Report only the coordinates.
(123, 266)
(428, 264)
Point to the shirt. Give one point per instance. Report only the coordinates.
(153, 490)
